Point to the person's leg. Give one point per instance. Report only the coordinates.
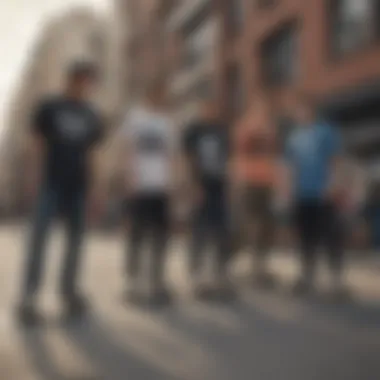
(264, 232)
(45, 210)
(198, 242)
(160, 226)
(74, 214)
(135, 238)
(35, 259)
(333, 234)
(307, 225)
(221, 234)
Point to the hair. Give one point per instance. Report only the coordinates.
(80, 70)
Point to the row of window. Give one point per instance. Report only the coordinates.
(354, 24)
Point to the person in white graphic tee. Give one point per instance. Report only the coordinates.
(148, 138)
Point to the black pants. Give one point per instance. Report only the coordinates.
(210, 225)
(149, 221)
(71, 205)
(319, 222)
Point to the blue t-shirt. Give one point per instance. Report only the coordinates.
(309, 152)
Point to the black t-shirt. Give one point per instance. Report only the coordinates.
(207, 146)
(70, 128)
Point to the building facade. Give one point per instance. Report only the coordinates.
(329, 49)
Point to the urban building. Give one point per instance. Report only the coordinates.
(196, 29)
(328, 49)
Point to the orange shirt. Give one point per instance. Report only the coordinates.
(255, 155)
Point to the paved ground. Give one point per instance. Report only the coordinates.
(264, 336)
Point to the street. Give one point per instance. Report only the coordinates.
(262, 336)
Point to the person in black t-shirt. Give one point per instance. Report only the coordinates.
(206, 147)
(65, 130)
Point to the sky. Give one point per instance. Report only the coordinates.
(20, 23)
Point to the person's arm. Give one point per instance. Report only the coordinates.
(337, 171)
(286, 172)
(127, 155)
(36, 149)
(97, 173)
(189, 165)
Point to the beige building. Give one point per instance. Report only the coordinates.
(79, 34)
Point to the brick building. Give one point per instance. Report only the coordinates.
(328, 48)
(175, 41)
(146, 44)
(236, 49)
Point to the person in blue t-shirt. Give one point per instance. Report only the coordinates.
(313, 152)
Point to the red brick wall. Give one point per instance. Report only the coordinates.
(320, 74)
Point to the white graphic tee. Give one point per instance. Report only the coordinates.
(152, 138)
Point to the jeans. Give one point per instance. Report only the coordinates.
(71, 204)
(210, 224)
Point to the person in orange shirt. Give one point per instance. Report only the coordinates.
(255, 172)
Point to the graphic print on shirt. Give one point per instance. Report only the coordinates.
(151, 142)
(210, 152)
(71, 126)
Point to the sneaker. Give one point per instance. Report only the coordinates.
(132, 295)
(224, 293)
(160, 297)
(76, 305)
(303, 287)
(28, 315)
(264, 280)
(340, 293)
(201, 291)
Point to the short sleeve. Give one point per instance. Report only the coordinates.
(40, 119)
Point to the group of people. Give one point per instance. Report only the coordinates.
(234, 180)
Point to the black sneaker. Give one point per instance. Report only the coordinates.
(203, 292)
(303, 287)
(28, 315)
(132, 296)
(224, 293)
(76, 305)
(160, 297)
(264, 280)
(340, 293)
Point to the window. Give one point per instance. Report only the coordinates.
(202, 89)
(265, 4)
(279, 56)
(200, 43)
(354, 24)
(235, 98)
(235, 16)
